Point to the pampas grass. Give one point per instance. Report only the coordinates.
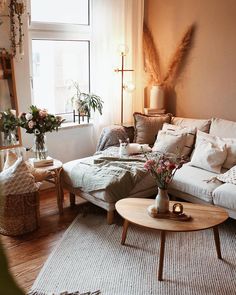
(151, 57)
(178, 56)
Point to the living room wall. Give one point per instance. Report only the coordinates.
(206, 86)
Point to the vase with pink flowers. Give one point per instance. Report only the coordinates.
(38, 122)
(163, 167)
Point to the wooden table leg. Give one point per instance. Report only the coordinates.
(162, 252)
(217, 241)
(59, 190)
(125, 228)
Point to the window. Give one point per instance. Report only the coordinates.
(60, 45)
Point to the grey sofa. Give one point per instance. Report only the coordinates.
(188, 184)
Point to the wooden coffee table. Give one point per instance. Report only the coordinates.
(134, 210)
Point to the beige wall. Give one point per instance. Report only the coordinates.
(207, 85)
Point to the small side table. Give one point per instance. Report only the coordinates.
(54, 178)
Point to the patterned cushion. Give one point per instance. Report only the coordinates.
(147, 127)
(229, 176)
(17, 179)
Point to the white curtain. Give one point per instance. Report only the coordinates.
(116, 22)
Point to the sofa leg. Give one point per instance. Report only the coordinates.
(110, 217)
(72, 199)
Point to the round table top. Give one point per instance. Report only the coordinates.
(203, 216)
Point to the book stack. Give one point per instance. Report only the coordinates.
(150, 111)
(41, 163)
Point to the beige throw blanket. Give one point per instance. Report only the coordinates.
(117, 176)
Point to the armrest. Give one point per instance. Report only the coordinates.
(110, 136)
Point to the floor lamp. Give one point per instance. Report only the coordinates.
(123, 49)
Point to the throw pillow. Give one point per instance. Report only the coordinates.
(230, 143)
(209, 156)
(190, 133)
(169, 142)
(17, 179)
(229, 176)
(146, 127)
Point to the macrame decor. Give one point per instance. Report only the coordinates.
(17, 9)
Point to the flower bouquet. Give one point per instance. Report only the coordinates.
(39, 121)
(163, 168)
(8, 125)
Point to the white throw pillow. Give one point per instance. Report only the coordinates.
(209, 156)
(169, 142)
(189, 139)
(230, 143)
(136, 148)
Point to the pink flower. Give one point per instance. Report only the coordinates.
(159, 170)
(149, 164)
(43, 113)
(31, 124)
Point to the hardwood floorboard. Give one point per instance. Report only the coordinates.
(27, 253)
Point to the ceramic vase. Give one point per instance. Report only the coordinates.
(162, 201)
(157, 99)
(40, 148)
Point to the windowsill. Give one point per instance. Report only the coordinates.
(69, 125)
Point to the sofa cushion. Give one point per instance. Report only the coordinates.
(146, 127)
(223, 128)
(229, 176)
(225, 196)
(208, 155)
(230, 143)
(189, 133)
(200, 124)
(169, 142)
(193, 181)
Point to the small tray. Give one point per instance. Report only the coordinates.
(169, 215)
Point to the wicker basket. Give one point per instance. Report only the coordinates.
(19, 214)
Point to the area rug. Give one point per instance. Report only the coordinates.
(90, 257)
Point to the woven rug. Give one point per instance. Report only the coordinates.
(90, 257)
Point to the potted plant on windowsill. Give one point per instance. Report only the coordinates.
(84, 103)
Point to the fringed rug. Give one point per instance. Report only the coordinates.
(90, 257)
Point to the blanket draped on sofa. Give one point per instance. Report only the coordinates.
(117, 176)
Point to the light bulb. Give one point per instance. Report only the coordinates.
(123, 49)
(129, 86)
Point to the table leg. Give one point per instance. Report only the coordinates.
(217, 241)
(125, 228)
(162, 252)
(59, 191)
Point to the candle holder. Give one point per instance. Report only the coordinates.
(178, 208)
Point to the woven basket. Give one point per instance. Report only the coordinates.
(19, 214)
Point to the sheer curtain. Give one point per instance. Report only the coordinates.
(116, 22)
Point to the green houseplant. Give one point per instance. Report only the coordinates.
(85, 102)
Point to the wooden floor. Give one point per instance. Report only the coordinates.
(27, 254)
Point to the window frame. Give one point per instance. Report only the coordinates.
(59, 32)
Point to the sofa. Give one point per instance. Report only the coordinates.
(197, 181)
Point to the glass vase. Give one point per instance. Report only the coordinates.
(162, 201)
(10, 138)
(40, 148)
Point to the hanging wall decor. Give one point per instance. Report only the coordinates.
(17, 9)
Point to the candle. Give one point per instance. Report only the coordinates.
(178, 208)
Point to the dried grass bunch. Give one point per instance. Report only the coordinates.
(152, 60)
